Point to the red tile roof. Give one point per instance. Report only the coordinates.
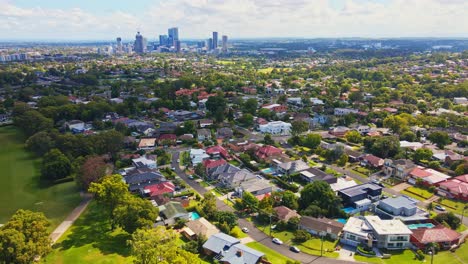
(213, 163)
(217, 149)
(420, 173)
(167, 137)
(267, 151)
(463, 178)
(438, 234)
(455, 186)
(160, 188)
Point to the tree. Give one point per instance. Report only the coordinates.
(353, 136)
(441, 139)
(267, 140)
(108, 142)
(422, 154)
(40, 143)
(250, 106)
(384, 147)
(301, 236)
(208, 205)
(246, 120)
(216, 105)
(110, 192)
(408, 136)
(289, 199)
(342, 160)
(461, 169)
(159, 246)
(265, 113)
(449, 219)
(249, 202)
(32, 122)
(55, 165)
(135, 213)
(299, 127)
(226, 217)
(320, 194)
(311, 140)
(396, 123)
(200, 170)
(24, 238)
(92, 170)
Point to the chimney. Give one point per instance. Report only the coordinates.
(239, 253)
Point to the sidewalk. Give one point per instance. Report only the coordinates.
(63, 227)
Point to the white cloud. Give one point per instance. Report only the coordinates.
(244, 18)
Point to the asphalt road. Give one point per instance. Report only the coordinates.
(254, 232)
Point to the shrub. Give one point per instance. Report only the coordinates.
(301, 236)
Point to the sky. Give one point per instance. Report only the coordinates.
(196, 19)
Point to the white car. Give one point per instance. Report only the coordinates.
(245, 230)
(277, 241)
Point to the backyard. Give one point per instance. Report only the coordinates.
(21, 186)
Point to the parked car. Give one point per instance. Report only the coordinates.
(178, 160)
(245, 230)
(440, 208)
(294, 249)
(277, 241)
(190, 177)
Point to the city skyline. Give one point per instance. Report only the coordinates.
(102, 20)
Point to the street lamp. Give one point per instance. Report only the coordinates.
(431, 252)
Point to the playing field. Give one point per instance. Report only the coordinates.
(20, 187)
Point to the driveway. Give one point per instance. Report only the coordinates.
(400, 187)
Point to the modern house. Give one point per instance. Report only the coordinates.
(229, 250)
(314, 174)
(402, 207)
(140, 178)
(198, 156)
(321, 226)
(345, 111)
(276, 128)
(375, 232)
(255, 186)
(145, 161)
(360, 197)
(399, 169)
(291, 167)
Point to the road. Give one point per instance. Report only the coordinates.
(254, 232)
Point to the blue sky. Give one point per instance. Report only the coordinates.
(104, 19)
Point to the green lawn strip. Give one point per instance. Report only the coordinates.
(203, 184)
(235, 163)
(454, 206)
(398, 257)
(90, 240)
(419, 191)
(359, 173)
(412, 195)
(313, 247)
(21, 188)
(461, 228)
(239, 231)
(272, 256)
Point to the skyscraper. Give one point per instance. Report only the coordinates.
(225, 43)
(177, 46)
(209, 44)
(163, 40)
(173, 35)
(215, 40)
(119, 45)
(139, 45)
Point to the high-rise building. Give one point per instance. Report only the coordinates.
(163, 40)
(201, 44)
(173, 35)
(225, 43)
(215, 40)
(209, 44)
(119, 45)
(139, 45)
(177, 46)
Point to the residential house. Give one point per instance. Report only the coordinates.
(138, 179)
(460, 101)
(224, 133)
(167, 139)
(217, 152)
(427, 177)
(255, 186)
(76, 126)
(276, 128)
(314, 174)
(145, 161)
(229, 250)
(345, 111)
(166, 128)
(284, 213)
(267, 151)
(315, 101)
(321, 226)
(370, 160)
(234, 180)
(411, 145)
(210, 164)
(277, 108)
(443, 236)
(375, 232)
(162, 188)
(291, 167)
(147, 143)
(198, 156)
(199, 227)
(339, 131)
(452, 157)
(173, 211)
(203, 134)
(399, 169)
(360, 197)
(363, 130)
(455, 188)
(402, 207)
(342, 183)
(205, 123)
(353, 155)
(296, 101)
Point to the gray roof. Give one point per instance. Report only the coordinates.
(222, 171)
(400, 202)
(241, 254)
(220, 242)
(359, 189)
(173, 210)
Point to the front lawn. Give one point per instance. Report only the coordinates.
(398, 257)
(454, 206)
(272, 256)
(20, 186)
(423, 193)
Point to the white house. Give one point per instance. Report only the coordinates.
(345, 111)
(276, 128)
(198, 156)
(148, 161)
(294, 101)
(316, 101)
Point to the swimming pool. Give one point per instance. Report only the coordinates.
(268, 171)
(194, 216)
(348, 209)
(423, 225)
(342, 220)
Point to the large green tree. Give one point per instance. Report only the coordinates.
(24, 238)
(135, 213)
(217, 106)
(422, 154)
(441, 139)
(299, 127)
(320, 194)
(55, 165)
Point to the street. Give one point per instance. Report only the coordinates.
(254, 232)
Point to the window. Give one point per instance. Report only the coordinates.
(390, 244)
(352, 237)
(399, 245)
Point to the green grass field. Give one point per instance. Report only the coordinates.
(20, 186)
(90, 240)
(272, 256)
